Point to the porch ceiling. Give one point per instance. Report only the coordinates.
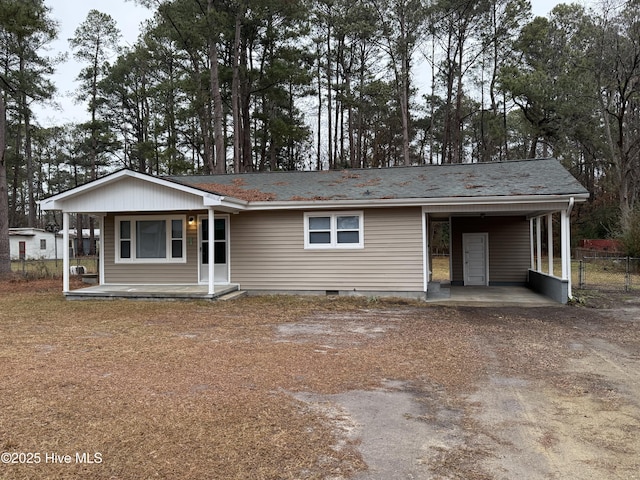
(492, 210)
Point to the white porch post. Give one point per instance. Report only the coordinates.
(550, 242)
(565, 239)
(425, 250)
(532, 245)
(570, 294)
(65, 252)
(538, 244)
(211, 246)
(101, 252)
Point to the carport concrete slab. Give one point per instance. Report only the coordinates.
(490, 297)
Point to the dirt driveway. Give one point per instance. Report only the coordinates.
(557, 397)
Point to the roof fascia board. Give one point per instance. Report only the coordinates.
(525, 200)
(233, 203)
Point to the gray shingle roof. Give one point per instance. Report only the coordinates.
(514, 178)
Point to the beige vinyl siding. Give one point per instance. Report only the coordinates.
(267, 253)
(149, 273)
(509, 248)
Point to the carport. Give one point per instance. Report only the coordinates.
(504, 242)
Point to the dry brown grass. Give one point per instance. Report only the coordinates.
(202, 390)
(440, 268)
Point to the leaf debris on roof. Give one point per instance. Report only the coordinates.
(236, 191)
(497, 179)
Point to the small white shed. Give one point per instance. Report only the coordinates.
(34, 244)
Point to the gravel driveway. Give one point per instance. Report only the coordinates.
(557, 397)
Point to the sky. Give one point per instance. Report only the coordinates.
(129, 17)
(70, 14)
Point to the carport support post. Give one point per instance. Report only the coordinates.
(550, 242)
(426, 252)
(532, 245)
(565, 245)
(211, 246)
(538, 244)
(65, 252)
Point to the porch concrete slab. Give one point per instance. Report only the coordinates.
(491, 297)
(167, 292)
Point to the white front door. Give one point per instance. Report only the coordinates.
(220, 249)
(475, 247)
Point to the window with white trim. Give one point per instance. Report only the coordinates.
(150, 239)
(333, 230)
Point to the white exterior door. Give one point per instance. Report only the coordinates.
(220, 249)
(475, 247)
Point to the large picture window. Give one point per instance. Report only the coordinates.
(150, 239)
(333, 230)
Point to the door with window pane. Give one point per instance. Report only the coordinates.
(220, 249)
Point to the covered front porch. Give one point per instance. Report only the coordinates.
(159, 239)
(152, 292)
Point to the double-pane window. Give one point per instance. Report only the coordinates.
(150, 239)
(334, 230)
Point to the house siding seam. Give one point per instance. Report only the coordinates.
(149, 273)
(509, 249)
(267, 252)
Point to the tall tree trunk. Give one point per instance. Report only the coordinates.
(457, 121)
(404, 111)
(235, 96)
(360, 158)
(319, 125)
(432, 106)
(5, 256)
(534, 147)
(337, 140)
(350, 129)
(405, 70)
(245, 109)
(446, 156)
(216, 95)
(30, 170)
(329, 101)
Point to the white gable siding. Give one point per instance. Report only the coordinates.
(132, 194)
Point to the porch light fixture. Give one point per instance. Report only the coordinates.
(192, 220)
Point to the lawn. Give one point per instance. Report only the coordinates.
(200, 389)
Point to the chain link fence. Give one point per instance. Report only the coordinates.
(609, 273)
(47, 268)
